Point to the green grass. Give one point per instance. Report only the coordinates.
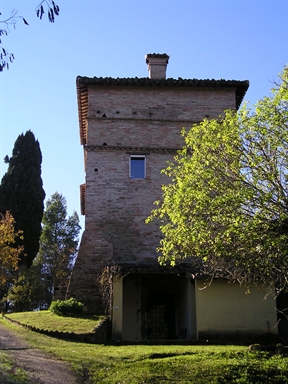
(51, 322)
(135, 364)
(9, 374)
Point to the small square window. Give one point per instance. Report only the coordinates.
(137, 167)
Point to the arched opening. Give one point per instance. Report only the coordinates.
(161, 317)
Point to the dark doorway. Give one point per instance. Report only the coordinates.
(161, 315)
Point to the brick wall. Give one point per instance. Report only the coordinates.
(122, 121)
(153, 118)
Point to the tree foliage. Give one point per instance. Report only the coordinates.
(226, 206)
(59, 239)
(29, 290)
(9, 255)
(33, 289)
(52, 10)
(21, 193)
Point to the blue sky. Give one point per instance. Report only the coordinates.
(239, 40)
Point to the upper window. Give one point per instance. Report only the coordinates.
(137, 167)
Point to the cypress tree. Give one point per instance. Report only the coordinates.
(22, 193)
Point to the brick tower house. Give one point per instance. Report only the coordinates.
(129, 129)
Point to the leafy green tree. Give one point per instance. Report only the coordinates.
(30, 289)
(59, 240)
(21, 193)
(33, 289)
(10, 21)
(226, 206)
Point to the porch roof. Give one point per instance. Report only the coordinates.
(185, 269)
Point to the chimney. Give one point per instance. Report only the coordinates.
(157, 64)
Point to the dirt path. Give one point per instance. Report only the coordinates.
(39, 366)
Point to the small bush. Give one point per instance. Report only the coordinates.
(69, 307)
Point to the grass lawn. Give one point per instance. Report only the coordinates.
(8, 373)
(51, 322)
(160, 364)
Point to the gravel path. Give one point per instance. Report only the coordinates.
(39, 366)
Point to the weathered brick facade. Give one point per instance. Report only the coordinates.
(123, 117)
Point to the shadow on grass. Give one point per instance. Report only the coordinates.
(166, 355)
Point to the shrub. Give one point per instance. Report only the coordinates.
(66, 307)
